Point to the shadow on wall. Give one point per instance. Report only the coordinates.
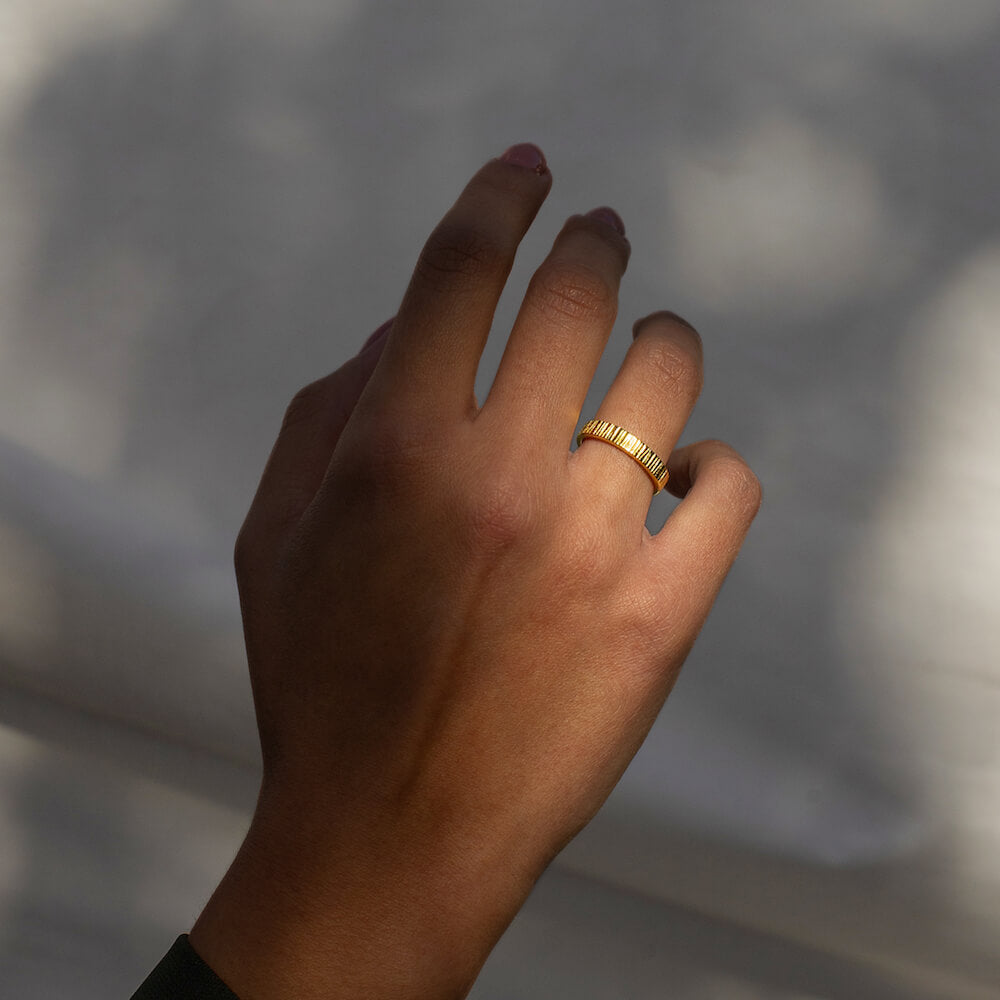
(216, 208)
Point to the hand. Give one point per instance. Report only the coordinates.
(459, 631)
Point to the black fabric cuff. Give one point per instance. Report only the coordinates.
(183, 975)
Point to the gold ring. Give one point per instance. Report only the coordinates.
(603, 430)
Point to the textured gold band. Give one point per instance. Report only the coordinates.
(603, 430)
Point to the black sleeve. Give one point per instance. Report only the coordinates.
(183, 975)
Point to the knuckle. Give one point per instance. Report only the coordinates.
(386, 454)
(642, 612)
(500, 513)
(458, 254)
(674, 367)
(575, 292)
(585, 554)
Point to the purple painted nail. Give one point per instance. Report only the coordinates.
(666, 314)
(528, 155)
(610, 216)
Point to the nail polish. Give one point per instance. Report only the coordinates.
(610, 216)
(666, 314)
(527, 155)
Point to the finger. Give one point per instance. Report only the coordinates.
(431, 358)
(560, 333)
(685, 562)
(312, 425)
(652, 397)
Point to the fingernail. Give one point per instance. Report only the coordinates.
(377, 335)
(610, 216)
(528, 155)
(663, 314)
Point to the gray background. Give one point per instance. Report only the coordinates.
(205, 204)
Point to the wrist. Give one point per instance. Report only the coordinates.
(335, 910)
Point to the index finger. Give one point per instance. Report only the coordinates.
(430, 360)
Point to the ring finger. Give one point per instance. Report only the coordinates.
(652, 397)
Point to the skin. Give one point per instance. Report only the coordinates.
(459, 632)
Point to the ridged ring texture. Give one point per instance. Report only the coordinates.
(623, 440)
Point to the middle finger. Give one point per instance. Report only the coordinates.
(560, 332)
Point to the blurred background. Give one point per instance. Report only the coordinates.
(205, 204)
